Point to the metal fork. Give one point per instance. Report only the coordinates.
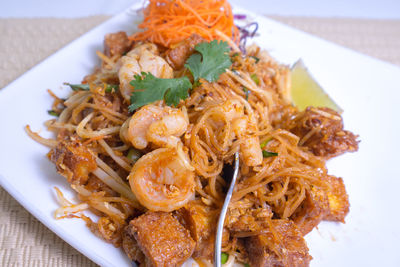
(220, 227)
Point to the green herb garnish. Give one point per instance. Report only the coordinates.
(85, 87)
(267, 154)
(246, 265)
(112, 88)
(246, 92)
(210, 62)
(235, 54)
(254, 77)
(224, 257)
(264, 144)
(255, 58)
(79, 87)
(53, 113)
(149, 89)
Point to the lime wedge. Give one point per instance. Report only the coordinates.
(306, 91)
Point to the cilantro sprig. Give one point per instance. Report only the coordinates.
(209, 62)
(149, 89)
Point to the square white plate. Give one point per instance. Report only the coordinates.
(367, 89)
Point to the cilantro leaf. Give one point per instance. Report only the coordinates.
(211, 61)
(149, 89)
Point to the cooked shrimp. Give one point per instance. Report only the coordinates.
(139, 125)
(161, 180)
(143, 58)
(161, 126)
(251, 150)
(232, 109)
(166, 132)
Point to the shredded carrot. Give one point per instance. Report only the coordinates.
(169, 22)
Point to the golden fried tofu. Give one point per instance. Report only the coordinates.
(312, 211)
(73, 161)
(131, 247)
(116, 44)
(328, 138)
(337, 198)
(200, 220)
(286, 247)
(162, 239)
(178, 55)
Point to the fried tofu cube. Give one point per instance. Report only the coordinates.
(200, 221)
(73, 161)
(312, 211)
(289, 250)
(116, 44)
(329, 138)
(197, 219)
(162, 239)
(337, 198)
(178, 55)
(131, 247)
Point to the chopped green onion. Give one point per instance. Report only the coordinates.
(224, 257)
(264, 144)
(255, 58)
(134, 155)
(85, 87)
(267, 154)
(254, 77)
(112, 88)
(235, 54)
(246, 92)
(53, 113)
(79, 87)
(246, 265)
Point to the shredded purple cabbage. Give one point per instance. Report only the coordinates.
(248, 31)
(239, 16)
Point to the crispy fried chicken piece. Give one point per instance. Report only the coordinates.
(321, 130)
(162, 239)
(312, 211)
(337, 198)
(176, 57)
(116, 44)
(73, 161)
(289, 249)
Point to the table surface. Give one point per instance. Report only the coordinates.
(378, 9)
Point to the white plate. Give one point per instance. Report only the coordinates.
(367, 89)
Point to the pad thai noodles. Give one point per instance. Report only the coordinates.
(146, 141)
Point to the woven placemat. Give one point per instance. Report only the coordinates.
(24, 241)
